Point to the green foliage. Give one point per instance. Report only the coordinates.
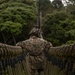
(17, 17)
(59, 28)
(11, 27)
(45, 6)
(70, 42)
(57, 4)
(70, 34)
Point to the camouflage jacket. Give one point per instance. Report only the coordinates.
(35, 46)
(36, 49)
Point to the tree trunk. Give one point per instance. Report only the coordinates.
(3, 38)
(14, 40)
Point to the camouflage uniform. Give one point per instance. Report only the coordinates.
(36, 48)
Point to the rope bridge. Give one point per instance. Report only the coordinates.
(60, 60)
(12, 60)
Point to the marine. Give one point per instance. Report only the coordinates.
(36, 47)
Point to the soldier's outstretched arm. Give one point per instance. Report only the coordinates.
(48, 45)
(63, 51)
(22, 45)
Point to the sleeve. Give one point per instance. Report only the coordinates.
(48, 45)
(20, 44)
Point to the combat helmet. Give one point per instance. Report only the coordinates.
(36, 32)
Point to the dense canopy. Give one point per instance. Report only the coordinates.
(17, 17)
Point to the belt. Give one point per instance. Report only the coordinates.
(35, 54)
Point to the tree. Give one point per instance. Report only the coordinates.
(16, 19)
(72, 2)
(57, 4)
(59, 29)
(45, 5)
(11, 28)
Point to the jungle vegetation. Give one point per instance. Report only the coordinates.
(17, 17)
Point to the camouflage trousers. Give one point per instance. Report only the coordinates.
(37, 65)
(37, 72)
